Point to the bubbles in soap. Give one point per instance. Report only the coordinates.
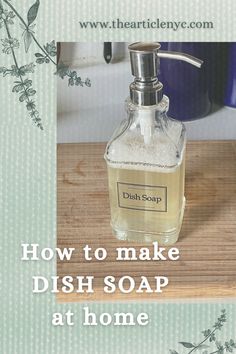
(161, 151)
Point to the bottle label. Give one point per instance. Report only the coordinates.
(142, 197)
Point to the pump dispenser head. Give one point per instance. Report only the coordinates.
(146, 90)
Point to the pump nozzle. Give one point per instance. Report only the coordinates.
(180, 56)
(146, 90)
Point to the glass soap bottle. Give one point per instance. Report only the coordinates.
(146, 156)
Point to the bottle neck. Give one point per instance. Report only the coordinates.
(161, 107)
(146, 93)
(147, 118)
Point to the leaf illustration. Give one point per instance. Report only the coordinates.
(71, 81)
(38, 55)
(27, 40)
(211, 336)
(28, 68)
(187, 345)
(27, 83)
(51, 48)
(23, 97)
(32, 13)
(14, 71)
(18, 88)
(3, 70)
(10, 44)
(31, 92)
(62, 70)
(88, 82)
(40, 60)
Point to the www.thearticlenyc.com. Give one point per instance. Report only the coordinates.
(146, 24)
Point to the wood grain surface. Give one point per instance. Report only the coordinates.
(207, 243)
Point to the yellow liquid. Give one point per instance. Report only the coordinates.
(147, 206)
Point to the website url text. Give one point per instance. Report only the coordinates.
(146, 24)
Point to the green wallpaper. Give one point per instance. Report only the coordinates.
(28, 188)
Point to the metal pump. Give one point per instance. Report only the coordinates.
(146, 90)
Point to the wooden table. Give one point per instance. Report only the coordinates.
(207, 243)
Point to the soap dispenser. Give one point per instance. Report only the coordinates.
(146, 156)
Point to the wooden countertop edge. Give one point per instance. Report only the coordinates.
(190, 140)
(209, 291)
